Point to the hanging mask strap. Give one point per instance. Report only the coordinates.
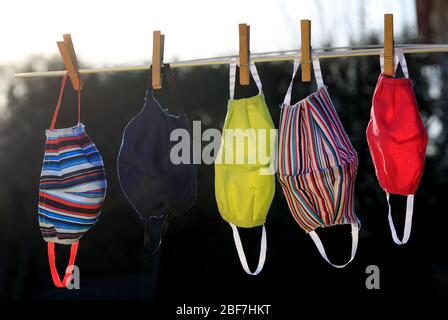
(173, 88)
(242, 256)
(295, 68)
(52, 261)
(155, 227)
(58, 105)
(402, 60)
(318, 72)
(232, 76)
(399, 59)
(287, 100)
(320, 247)
(408, 220)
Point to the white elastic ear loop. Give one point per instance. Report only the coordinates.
(287, 100)
(253, 70)
(317, 72)
(404, 66)
(242, 256)
(317, 75)
(398, 59)
(232, 77)
(320, 247)
(408, 220)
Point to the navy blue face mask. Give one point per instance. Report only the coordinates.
(155, 187)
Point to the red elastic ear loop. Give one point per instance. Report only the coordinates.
(61, 92)
(56, 110)
(79, 105)
(52, 261)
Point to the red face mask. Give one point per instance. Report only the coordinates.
(397, 140)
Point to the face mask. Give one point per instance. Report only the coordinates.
(72, 188)
(397, 140)
(156, 188)
(317, 164)
(244, 188)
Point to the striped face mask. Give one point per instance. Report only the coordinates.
(71, 191)
(317, 164)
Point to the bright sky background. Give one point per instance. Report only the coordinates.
(119, 33)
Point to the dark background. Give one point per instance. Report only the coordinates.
(198, 261)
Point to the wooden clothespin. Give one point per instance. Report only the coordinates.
(244, 32)
(71, 62)
(389, 45)
(158, 44)
(305, 49)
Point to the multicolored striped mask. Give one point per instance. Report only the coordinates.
(71, 191)
(317, 164)
(244, 189)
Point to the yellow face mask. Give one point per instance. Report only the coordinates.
(244, 168)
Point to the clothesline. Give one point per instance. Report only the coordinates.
(322, 53)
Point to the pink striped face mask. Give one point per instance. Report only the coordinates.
(317, 164)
